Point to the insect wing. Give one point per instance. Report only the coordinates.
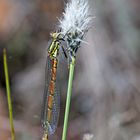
(50, 125)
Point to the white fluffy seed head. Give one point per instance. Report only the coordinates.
(76, 19)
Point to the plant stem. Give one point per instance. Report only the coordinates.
(69, 93)
(8, 94)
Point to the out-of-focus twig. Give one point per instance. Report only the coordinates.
(8, 94)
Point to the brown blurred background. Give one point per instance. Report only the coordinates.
(106, 90)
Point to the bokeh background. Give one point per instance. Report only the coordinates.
(106, 91)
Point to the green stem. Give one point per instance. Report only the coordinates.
(69, 93)
(8, 94)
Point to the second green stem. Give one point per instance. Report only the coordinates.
(8, 94)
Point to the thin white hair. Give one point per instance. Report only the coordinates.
(76, 18)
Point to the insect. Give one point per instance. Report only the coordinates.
(51, 103)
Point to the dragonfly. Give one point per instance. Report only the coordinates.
(51, 99)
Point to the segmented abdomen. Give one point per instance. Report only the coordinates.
(51, 107)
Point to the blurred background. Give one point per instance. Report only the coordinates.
(106, 91)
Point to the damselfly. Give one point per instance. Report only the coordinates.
(51, 103)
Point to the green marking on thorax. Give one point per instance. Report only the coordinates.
(54, 47)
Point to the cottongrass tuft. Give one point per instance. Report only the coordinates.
(75, 22)
(76, 17)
